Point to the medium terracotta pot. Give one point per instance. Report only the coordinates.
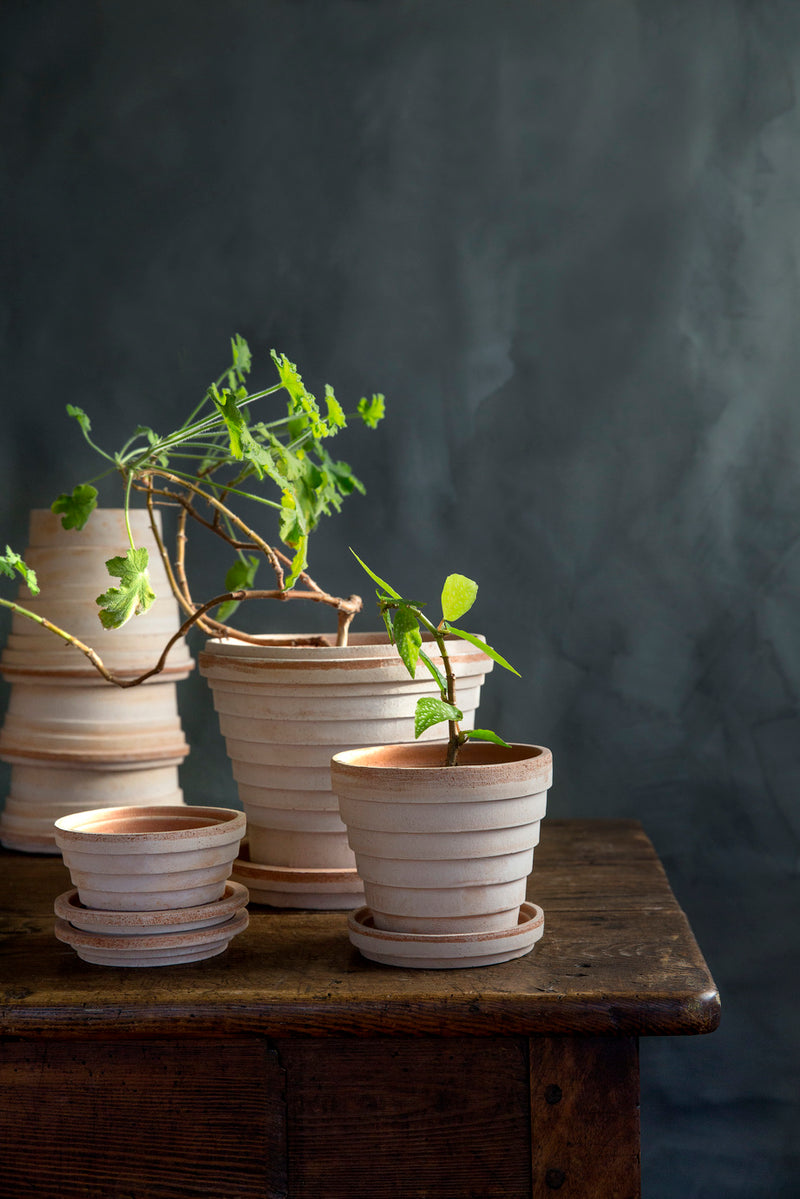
(443, 851)
(73, 740)
(136, 859)
(285, 706)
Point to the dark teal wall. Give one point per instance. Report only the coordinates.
(564, 239)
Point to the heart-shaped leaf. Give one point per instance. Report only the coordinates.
(458, 596)
(433, 711)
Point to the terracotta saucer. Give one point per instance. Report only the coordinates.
(446, 951)
(174, 920)
(151, 949)
(293, 887)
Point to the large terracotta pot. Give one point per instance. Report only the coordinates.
(75, 741)
(285, 706)
(444, 852)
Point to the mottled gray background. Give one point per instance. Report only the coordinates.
(563, 238)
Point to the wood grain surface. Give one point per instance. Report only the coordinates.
(617, 957)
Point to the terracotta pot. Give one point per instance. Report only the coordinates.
(136, 859)
(443, 852)
(285, 707)
(70, 736)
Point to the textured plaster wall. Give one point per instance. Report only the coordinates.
(563, 239)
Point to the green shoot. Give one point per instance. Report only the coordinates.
(405, 622)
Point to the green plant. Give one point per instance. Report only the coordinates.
(405, 622)
(217, 457)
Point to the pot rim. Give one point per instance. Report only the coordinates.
(201, 822)
(321, 647)
(417, 761)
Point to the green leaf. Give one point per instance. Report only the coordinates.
(76, 508)
(372, 411)
(134, 594)
(240, 577)
(458, 596)
(481, 645)
(408, 638)
(441, 681)
(80, 416)
(485, 735)
(433, 711)
(11, 563)
(336, 416)
(225, 403)
(385, 586)
(242, 358)
(299, 562)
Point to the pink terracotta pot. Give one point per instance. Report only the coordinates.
(146, 859)
(284, 708)
(443, 851)
(75, 741)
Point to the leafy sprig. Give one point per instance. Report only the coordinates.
(218, 453)
(405, 622)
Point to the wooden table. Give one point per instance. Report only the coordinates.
(291, 1066)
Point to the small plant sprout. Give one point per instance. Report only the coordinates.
(218, 456)
(405, 622)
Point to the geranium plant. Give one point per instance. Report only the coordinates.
(405, 623)
(218, 456)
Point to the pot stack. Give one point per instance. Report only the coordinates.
(285, 706)
(151, 884)
(74, 741)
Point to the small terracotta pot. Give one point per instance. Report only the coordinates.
(285, 706)
(443, 851)
(138, 859)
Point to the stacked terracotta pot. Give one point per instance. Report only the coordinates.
(285, 706)
(75, 741)
(151, 884)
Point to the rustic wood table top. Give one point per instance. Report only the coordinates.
(617, 957)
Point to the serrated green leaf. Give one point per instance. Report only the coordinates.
(486, 649)
(80, 416)
(433, 711)
(225, 403)
(336, 416)
(485, 735)
(77, 507)
(134, 594)
(240, 577)
(11, 563)
(376, 578)
(242, 358)
(458, 596)
(408, 638)
(372, 411)
(299, 562)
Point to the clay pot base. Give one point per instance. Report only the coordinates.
(27, 843)
(151, 949)
(298, 887)
(446, 952)
(176, 920)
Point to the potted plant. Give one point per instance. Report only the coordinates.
(262, 685)
(443, 833)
